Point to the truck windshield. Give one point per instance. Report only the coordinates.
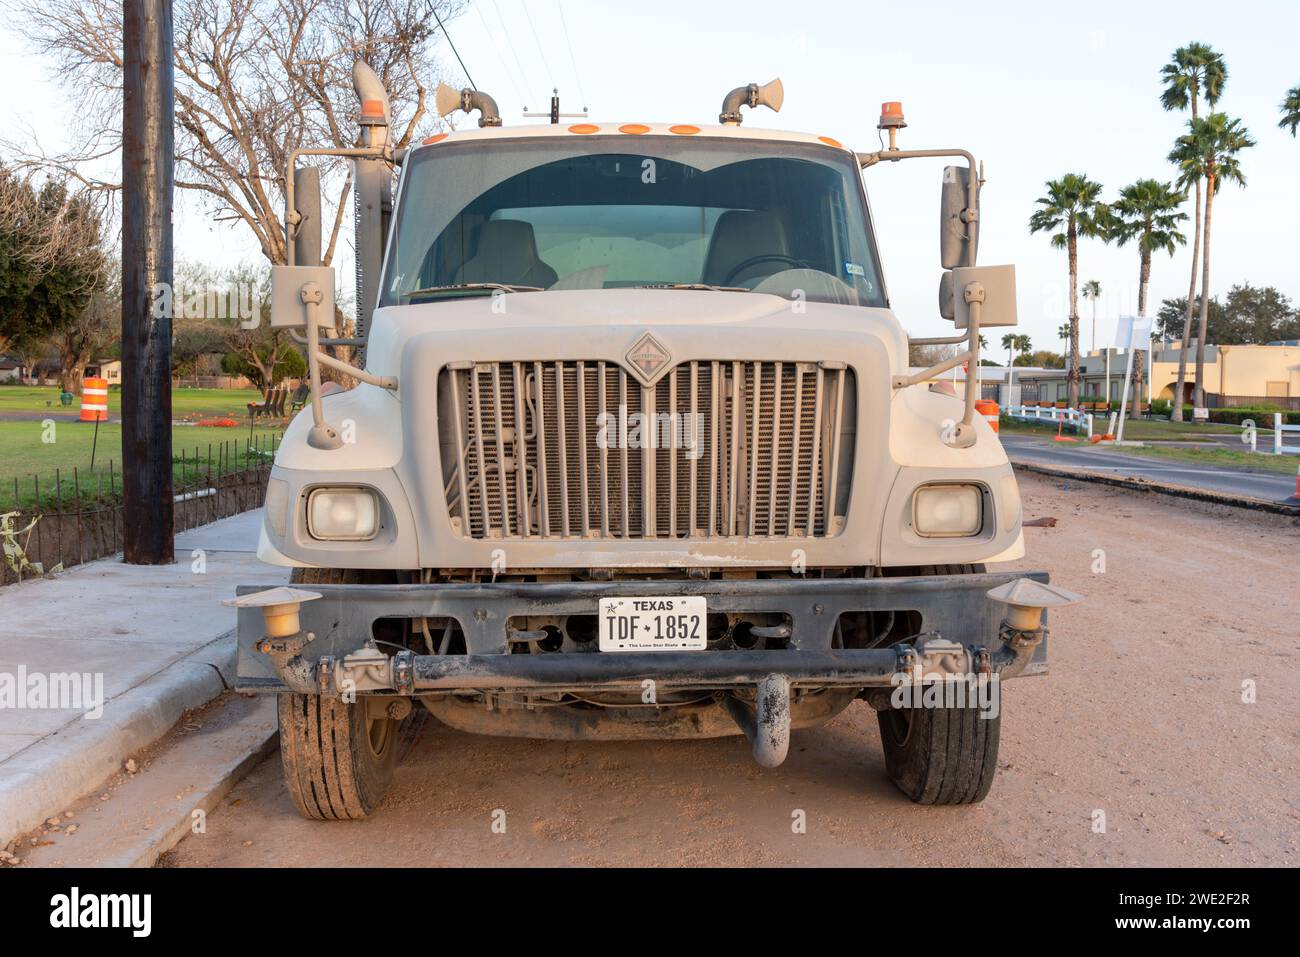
(590, 213)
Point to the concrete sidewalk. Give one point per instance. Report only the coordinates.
(157, 637)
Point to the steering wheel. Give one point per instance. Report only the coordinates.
(762, 258)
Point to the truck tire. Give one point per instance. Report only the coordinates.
(338, 763)
(941, 755)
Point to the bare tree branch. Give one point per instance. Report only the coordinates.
(255, 80)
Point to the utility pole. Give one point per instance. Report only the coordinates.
(147, 179)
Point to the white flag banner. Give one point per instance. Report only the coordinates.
(1133, 332)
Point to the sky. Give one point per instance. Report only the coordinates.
(1034, 90)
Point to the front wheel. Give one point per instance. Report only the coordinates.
(338, 762)
(941, 755)
(338, 758)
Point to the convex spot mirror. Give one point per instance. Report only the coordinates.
(947, 308)
(287, 308)
(999, 306)
(952, 228)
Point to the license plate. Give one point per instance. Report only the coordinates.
(653, 624)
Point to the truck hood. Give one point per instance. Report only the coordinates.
(604, 324)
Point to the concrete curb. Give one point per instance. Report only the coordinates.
(46, 778)
(1178, 491)
(159, 840)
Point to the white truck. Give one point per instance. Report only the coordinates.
(635, 452)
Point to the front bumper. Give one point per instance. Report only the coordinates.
(954, 609)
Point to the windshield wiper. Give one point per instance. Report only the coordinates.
(470, 287)
(694, 285)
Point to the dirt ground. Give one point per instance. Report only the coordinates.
(1142, 718)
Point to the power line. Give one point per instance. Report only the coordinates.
(505, 32)
(537, 40)
(497, 50)
(573, 62)
(434, 11)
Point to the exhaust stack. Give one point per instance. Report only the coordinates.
(373, 199)
(771, 95)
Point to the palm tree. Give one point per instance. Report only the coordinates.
(1147, 211)
(1209, 149)
(1023, 345)
(1073, 208)
(1092, 291)
(1291, 110)
(1009, 343)
(1016, 345)
(1063, 333)
(1191, 71)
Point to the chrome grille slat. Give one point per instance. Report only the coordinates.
(539, 396)
(581, 380)
(769, 458)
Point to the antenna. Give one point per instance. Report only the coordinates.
(555, 115)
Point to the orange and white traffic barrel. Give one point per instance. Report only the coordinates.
(94, 400)
(989, 409)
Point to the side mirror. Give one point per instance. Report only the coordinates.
(952, 226)
(999, 306)
(306, 232)
(947, 308)
(288, 310)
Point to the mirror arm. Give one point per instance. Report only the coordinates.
(938, 341)
(322, 434)
(963, 436)
(353, 341)
(383, 381)
(971, 216)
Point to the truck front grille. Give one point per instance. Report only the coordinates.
(717, 449)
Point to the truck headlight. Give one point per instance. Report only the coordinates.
(342, 514)
(948, 511)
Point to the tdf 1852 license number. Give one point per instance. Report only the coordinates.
(653, 624)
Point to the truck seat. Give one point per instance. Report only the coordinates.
(507, 253)
(741, 234)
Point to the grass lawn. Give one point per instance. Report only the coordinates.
(186, 403)
(1216, 456)
(1213, 453)
(24, 454)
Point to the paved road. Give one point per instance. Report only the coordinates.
(1270, 486)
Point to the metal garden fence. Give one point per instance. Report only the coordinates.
(78, 517)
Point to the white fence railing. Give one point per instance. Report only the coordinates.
(1278, 430)
(1074, 418)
